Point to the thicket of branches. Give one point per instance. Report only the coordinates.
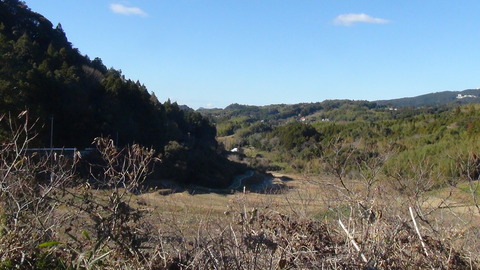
(51, 219)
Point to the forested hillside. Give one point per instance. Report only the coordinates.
(41, 72)
(306, 137)
(341, 110)
(436, 99)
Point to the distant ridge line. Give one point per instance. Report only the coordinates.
(435, 99)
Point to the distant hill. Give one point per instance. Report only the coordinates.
(340, 110)
(238, 117)
(235, 117)
(435, 99)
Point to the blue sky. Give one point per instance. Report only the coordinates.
(211, 53)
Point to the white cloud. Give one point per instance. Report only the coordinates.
(124, 10)
(352, 18)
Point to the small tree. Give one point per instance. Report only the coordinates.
(122, 174)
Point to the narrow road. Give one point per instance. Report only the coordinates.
(237, 182)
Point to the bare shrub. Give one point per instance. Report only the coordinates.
(30, 187)
(468, 167)
(337, 159)
(414, 181)
(355, 173)
(114, 223)
(271, 240)
(378, 233)
(44, 214)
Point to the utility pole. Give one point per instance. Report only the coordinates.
(51, 133)
(51, 147)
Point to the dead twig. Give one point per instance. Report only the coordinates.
(354, 243)
(418, 231)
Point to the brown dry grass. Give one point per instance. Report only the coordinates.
(284, 230)
(311, 198)
(299, 196)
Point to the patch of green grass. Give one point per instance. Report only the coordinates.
(471, 186)
(334, 213)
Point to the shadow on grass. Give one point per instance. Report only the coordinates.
(252, 182)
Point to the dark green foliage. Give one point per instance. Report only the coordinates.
(281, 113)
(203, 166)
(435, 99)
(295, 135)
(42, 72)
(442, 137)
(39, 261)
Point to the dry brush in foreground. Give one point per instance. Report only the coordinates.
(49, 219)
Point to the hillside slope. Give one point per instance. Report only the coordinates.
(435, 99)
(41, 72)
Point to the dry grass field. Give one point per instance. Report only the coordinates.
(300, 195)
(447, 214)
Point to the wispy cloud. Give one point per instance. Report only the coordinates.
(352, 18)
(124, 10)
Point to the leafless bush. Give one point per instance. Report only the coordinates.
(354, 175)
(30, 185)
(265, 239)
(369, 163)
(469, 168)
(114, 223)
(414, 182)
(337, 159)
(40, 204)
(378, 229)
